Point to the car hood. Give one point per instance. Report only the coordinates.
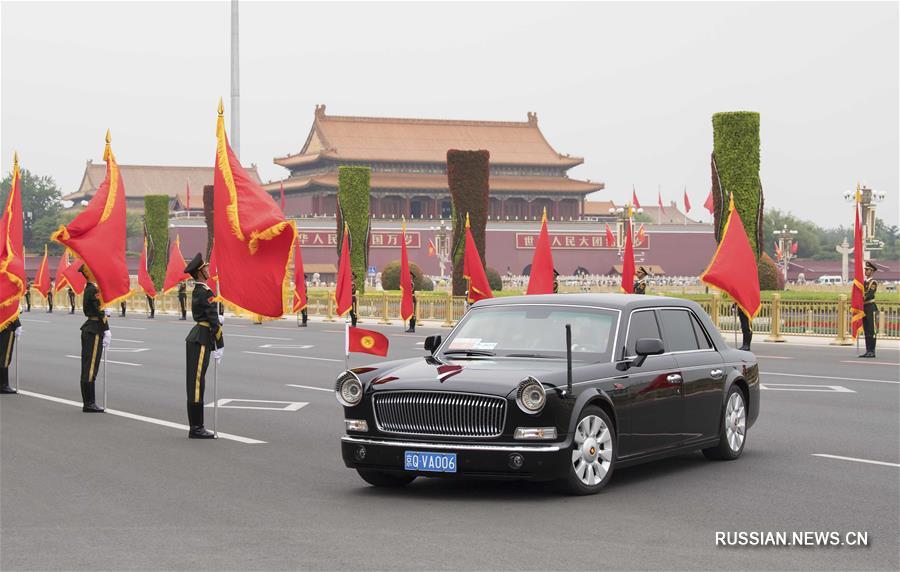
(495, 377)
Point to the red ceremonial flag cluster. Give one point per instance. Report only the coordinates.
(857, 296)
(343, 292)
(406, 285)
(144, 279)
(97, 234)
(687, 203)
(175, 268)
(299, 280)
(42, 279)
(628, 260)
(640, 237)
(366, 342)
(733, 267)
(473, 269)
(634, 200)
(253, 240)
(710, 203)
(610, 237)
(74, 278)
(61, 281)
(540, 281)
(12, 254)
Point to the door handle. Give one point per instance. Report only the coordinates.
(716, 373)
(673, 378)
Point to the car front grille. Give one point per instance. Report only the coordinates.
(440, 414)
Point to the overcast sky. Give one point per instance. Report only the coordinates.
(630, 87)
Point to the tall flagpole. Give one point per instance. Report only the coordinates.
(17, 366)
(105, 367)
(216, 398)
(235, 138)
(346, 343)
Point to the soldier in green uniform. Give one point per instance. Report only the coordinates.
(412, 319)
(50, 299)
(28, 295)
(205, 340)
(182, 298)
(640, 285)
(8, 336)
(304, 315)
(151, 306)
(95, 337)
(870, 287)
(353, 307)
(71, 294)
(746, 329)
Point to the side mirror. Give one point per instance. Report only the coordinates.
(432, 343)
(647, 347)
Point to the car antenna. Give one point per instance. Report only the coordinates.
(568, 360)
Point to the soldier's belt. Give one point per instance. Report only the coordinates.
(204, 324)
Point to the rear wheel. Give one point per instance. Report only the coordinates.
(383, 479)
(593, 453)
(733, 434)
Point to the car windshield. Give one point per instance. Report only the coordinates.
(534, 331)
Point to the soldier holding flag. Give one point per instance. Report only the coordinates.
(95, 337)
(205, 340)
(870, 287)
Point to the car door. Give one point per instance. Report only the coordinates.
(701, 370)
(655, 410)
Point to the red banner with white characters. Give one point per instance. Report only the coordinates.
(377, 239)
(572, 241)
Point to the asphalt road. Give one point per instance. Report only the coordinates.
(84, 491)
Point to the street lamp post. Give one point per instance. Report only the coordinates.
(442, 246)
(623, 214)
(785, 239)
(868, 199)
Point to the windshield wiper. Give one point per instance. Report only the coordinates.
(540, 356)
(470, 352)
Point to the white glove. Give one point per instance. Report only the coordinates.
(217, 354)
(107, 311)
(18, 331)
(222, 319)
(107, 338)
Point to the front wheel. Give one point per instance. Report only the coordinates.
(593, 453)
(733, 434)
(383, 479)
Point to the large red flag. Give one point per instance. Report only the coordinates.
(406, 285)
(61, 281)
(343, 292)
(175, 268)
(144, 279)
(628, 261)
(857, 296)
(710, 203)
(12, 257)
(366, 342)
(75, 278)
(253, 240)
(213, 281)
(634, 200)
(733, 266)
(640, 236)
(473, 269)
(300, 300)
(687, 203)
(540, 281)
(610, 237)
(97, 234)
(42, 279)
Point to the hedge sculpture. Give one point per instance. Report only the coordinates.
(156, 218)
(468, 174)
(353, 206)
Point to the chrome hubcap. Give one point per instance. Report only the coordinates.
(735, 421)
(592, 454)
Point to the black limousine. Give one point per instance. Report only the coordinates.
(559, 387)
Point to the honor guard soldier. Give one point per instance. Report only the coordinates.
(746, 330)
(870, 287)
(205, 340)
(640, 285)
(71, 294)
(151, 306)
(95, 337)
(8, 337)
(28, 296)
(50, 299)
(415, 301)
(353, 307)
(122, 307)
(182, 298)
(304, 315)
(555, 281)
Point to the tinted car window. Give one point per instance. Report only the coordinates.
(678, 331)
(643, 325)
(702, 340)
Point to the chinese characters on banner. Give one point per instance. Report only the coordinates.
(572, 240)
(377, 239)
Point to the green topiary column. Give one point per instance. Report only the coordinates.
(353, 206)
(735, 171)
(156, 217)
(468, 175)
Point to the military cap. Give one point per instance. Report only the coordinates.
(555, 272)
(195, 264)
(83, 269)
(870, 266)
(642, 269)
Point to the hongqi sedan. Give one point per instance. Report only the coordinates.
(557, 387)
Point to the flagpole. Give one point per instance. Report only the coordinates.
(215, 399)
(346, 344)
(17, 367)
(105, 367)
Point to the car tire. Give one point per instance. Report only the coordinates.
(733, 430)
(383, 479)
(593, 453)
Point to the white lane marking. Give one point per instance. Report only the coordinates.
(288, 405)
(129, 350)
(423, 343)
(803, 387)
(867, 362)
(286, 347)
(855, 460)
(111, 361)
(126, 327)
(34, 321)
(310, 387)
(290, 356)
(765, 373)
(259, 337)
(129, 341)
(143, 418)
(773, 357)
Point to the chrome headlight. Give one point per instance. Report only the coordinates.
(348, 389)
(531, 397)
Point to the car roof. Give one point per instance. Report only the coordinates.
(624, 302)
